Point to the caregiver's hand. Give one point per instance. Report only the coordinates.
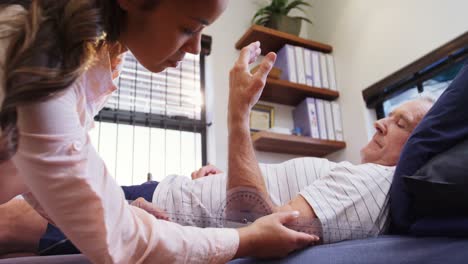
(267, 237)
(245, 88)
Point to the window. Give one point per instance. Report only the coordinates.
(131, 152)
(434, 86)
(395, 101)
(431, 74)
(437, 85)
(154, 124)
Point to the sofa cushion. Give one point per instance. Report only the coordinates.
(383, 249)
(440, 187)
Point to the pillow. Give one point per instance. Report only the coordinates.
(445, 125)
(439, 196)
(440, 188)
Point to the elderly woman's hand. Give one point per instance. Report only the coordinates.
(150, 208)
(245, 88)
(205, 171)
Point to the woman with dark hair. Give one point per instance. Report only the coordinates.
(58, 60)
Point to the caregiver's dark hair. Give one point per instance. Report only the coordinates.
(52, 43)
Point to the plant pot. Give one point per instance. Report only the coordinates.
(291, 25)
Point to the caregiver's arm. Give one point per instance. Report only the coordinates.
(70, 181)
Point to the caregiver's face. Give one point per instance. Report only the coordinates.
(161, 36)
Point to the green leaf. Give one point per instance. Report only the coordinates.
(279, 7)
(279, 3)
(305, 19)
(261, 12)
(296, 4)
(262, 21)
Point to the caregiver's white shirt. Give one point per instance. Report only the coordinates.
(69, 183)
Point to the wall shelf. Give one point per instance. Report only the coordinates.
(274, 40)
(290, 144)
(288, 93)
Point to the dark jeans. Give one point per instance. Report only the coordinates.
(54, 242)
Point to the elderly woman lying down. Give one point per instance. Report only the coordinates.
(348, 201)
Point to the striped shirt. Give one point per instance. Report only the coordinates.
(350, 201)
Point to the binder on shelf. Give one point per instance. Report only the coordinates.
(308, 67)
(329, 121)
(322, 124)
(305, 117)
(337, 121)
(316, 69)
(287, 63)
(300, 67)
(324, 71)
(331, 72)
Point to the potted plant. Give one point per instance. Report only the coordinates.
(275, 15)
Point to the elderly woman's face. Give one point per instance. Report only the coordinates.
(160, 37)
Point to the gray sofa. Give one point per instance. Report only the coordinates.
(383, 249)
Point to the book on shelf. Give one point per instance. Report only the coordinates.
(319, 119)
(331, 72)
(337, 121)
(305, 117)
(300, 66)
(286, 61)
(305, 66)
(316, 69)
(324, 71)
(322, 123)
(308, 67)
(329, 121)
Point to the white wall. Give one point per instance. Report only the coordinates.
(374, 38)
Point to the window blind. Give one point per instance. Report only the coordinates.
(171, 99)
(172, 93)
(154, 124)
